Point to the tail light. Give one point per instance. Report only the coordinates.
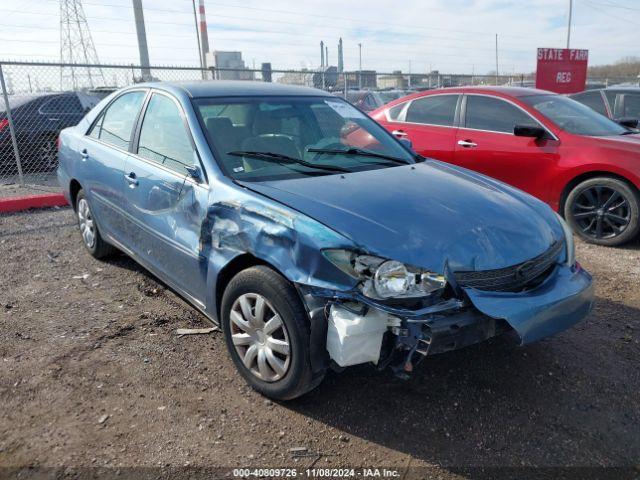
(4, 123)
(58, 143)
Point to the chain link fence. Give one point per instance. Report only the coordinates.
(39, 99)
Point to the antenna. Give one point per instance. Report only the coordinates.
(76, 47)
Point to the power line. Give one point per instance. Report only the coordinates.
(616, 5)
(593, 7)
(284, 32)
(290, 12)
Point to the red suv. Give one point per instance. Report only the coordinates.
(582, 164)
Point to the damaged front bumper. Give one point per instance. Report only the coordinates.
(349, 328)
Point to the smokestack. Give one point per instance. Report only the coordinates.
(326, 57)
(340, 57)
(321, 54)
(204, 37)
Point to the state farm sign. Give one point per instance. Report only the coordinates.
(562, 70)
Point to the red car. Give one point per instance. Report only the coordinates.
(582, 164)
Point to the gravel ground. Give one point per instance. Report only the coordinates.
(94, 376)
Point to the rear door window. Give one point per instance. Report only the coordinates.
(494, 115)
(115, 126)
(62, 104)
(433, 110)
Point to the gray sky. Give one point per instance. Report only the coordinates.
(454, 36)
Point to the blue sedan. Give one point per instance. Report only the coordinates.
(313, 237)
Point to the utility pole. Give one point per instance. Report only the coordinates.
(195, 22)
(142, 40)
(497, 70)
(569, 24)
(360, 68)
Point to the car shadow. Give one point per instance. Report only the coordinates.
(561, 402)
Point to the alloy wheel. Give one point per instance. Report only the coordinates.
(260, 337)
(601, 212)
(87, 226)
(48, 155)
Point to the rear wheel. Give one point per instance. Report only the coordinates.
(266, 330)
(91, 237)
(603, 211)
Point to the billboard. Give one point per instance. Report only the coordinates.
(562, 70)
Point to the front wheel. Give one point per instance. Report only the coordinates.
(603, 211)
(266, 330)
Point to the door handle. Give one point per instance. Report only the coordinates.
(84, 154)
(131, 179)
(467, 144)
(54, 119)
(399, 133)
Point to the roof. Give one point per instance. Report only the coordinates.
(237, 88)
(510, 91)
(622, 88)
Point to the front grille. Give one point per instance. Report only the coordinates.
(515, 278)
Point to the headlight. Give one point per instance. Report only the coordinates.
(382, 279)
(391, 279)
(568, 239)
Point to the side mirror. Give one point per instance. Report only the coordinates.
(407, 143)
(194, 172)
(528, 131)
(628, 122)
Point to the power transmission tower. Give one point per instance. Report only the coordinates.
(76, 47)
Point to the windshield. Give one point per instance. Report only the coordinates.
(573, 116)
(302, 136)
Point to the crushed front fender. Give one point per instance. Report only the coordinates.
(564, 299)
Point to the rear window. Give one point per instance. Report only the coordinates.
(16, 101)
(433, 110)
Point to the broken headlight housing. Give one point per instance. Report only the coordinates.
(385, 279)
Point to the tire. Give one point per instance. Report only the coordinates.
(281, 376)
(93, 242)
(603, 211)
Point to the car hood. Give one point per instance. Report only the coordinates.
(629, 143)
(424, 215)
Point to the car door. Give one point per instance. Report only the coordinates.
(101, 160)
(485, 143)
(429, 122)
(166, 204)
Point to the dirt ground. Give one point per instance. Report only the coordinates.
(94, 379)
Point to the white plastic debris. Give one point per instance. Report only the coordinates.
(353, 338)
(195, 331)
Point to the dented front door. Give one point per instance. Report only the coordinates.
(165, 205)
(166, 212)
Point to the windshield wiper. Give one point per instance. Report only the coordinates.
(630, 132)
(358, 151)
(285, 159)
